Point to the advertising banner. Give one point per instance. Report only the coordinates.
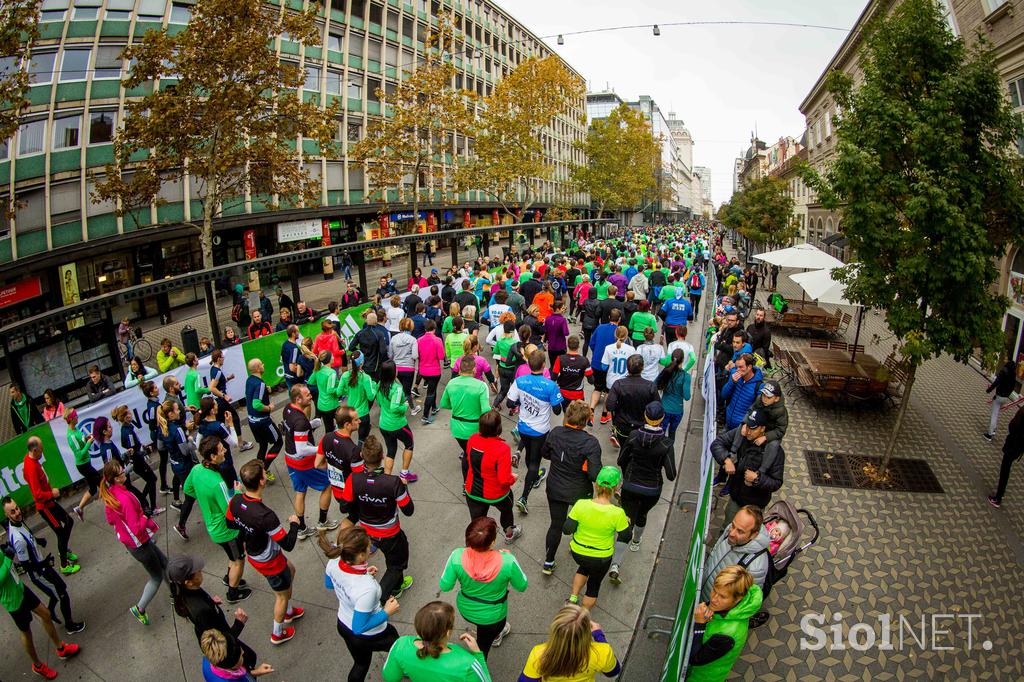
(20, 291)
(249, 240)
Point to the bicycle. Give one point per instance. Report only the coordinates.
(139, 348)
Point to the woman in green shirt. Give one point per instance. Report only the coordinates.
(358, 388)
(430, 657)
(640, 320)
(393, 424)
(453, 342)
(484, 575)
(80, 445)
(325, 379)
(194, 388)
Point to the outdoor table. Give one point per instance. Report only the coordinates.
(832, 362)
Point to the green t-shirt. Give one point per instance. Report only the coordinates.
(501, 347)
(467, 398)
(194, 389)
(12, 591)
(326, 381)
(602, 290)
(79, 445)
(209, 490)
(525, 275)
(458, 665)
(392, 408)
(598, 524)
(453, 346)
(360, 395)
(640, 321)
(470, 590)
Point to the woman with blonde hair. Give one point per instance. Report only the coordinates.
(721, 626)
(393, 311)
(576, 650)
(135, 531)
(181, 454)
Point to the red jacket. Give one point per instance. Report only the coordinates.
(38, 483)
(490, 468)
(329, 341)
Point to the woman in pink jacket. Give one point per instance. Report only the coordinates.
(431, 352)
(135, 530)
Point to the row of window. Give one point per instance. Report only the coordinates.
(66, 131)
(117, 10)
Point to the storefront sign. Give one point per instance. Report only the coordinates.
(249, 240)
(467, 219)
(298, 230)
(406, 215)
(431, 222)
(20, 291)
(385, 230)
(495, 219)
(326, 233)
(69, 291)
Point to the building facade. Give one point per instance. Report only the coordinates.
(66, 247)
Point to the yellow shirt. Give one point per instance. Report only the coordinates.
(602, 660)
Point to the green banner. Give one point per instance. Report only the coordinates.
(12, 458)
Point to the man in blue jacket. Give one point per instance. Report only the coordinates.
(676, 312)
(740, 391)
(603, 336)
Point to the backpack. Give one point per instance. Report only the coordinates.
(695, 281)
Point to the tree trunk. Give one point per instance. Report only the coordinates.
(904, 402)
(206, 232)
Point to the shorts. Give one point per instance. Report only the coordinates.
(91, 476)
(391, 439)
(23, 614)
(302, 479)
(569, 396)
(234, 548)
(595, 568)
(280, 582)
(601, 380)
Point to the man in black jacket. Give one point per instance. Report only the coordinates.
(372, 344)
(1003, 384)
(612, 303)
(411, 301)
(24, 414)
(627, 399)
(1013, 448)
(741, 457)
(466, 297)
(760, 337)
(530, 288)
(575, 457)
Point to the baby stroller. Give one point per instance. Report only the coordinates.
(795, 542)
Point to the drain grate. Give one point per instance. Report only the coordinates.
(838, 470)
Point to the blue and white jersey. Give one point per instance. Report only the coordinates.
(614, 361)
(536, 396)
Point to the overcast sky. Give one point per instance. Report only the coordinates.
(721, 80)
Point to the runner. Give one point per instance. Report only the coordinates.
(152, 393)
(258, 409)
(265, 543)
(537, 398)
(358, 388)
(209, 425)
(134, 453)
(404, 353)
(362, 620)
(489, 476)
(194, 389)
(576, 650)
(374, 499)
(394, 426)
(571, 369)
(484, 576)
(206, 484)
(468, 399)
(135, 531)
(603, 336)
(46, 499)
(342, 456)
(432, 358)
(80, 445)
(290, 357)
(429, 657)
(325, 381)
(300, 458)
(615, 361)
(182, 456)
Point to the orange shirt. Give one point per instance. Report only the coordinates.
(543, 301)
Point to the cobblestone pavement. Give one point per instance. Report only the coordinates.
(915, 556)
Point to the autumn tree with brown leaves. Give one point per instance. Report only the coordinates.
(19, 28)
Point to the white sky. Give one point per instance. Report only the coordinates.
(721, 80)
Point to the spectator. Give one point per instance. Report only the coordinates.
(744, 542)
(737, 451)
(741, 390)
(124, 336)
(351, 297)
(99, 386)
(259, 327)
(283, 299)
(303, 313)
(412, 300)
(1013, 448)
(1003, 384)
(230, 338)
(205, 346)
(266, 309)
(760, 335)
(721, 625)
(770, 401)
(329, 340)
(137, 373)
(169, 356)
(284, 321)
(24, 414)
(52, 406)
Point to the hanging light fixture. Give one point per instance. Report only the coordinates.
(561, 40)
(657, 31)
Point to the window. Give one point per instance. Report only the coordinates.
(993, 5)
(334, 42)
(355, 88)
(373, 50)
(180, 14)
(151, 10)
(391, 55)
(120, 10)
(101, 126)
(333, 82)
(86, 10)
(355, 132)
(31, 136)
(5, 150)
(66, 131)
(376, 13)
(74, 65)
(31, 213)
(65, 201)
(372, 85)
(828, 124)
(108, 62)
(335, 175)
(355, 177)
(312, 79)
(355, 44)
(53, 10)
(392, 20)
(1017, 92)
(103, 207)
(359, 8)
(40, 69)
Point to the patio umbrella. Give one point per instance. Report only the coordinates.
(803, 256)
(819, 285)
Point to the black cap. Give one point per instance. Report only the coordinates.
(654, 412)
(183, 566)
(756, 419)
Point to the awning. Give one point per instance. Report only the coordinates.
(831, 239)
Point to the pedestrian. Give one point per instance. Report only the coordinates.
(430, 656)
(1013, 448)
(362, 618)
(394, 425)
(134, 453)
(630, 394)
(721, 625)
(52, 406)
(428, 253)
(539, 398)
(24, 414)
(741, 457)
(341, 454)
(80, 448)
(484, 576)
(488, 476)
(137, 373)
(46, 499)
(1003, 383)
(556, 331)
(430, 350)
(675, 384)
(576, 650)
(258, 409)
(98, 386)
(358, 389)
(182, 457)
(741, 389)
(404, 353)
(300, 455)
(467, 399)
(223, 659)
(169, 356)
(372, 342)
(603, 337)
(259, 327)
(135, 531)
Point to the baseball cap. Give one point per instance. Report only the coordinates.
(609, 476)
(654, 412)
(756, 419)
(183, 566)
(433, 271)
(771, 389)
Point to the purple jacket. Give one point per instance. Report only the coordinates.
(620, 282)
(556, 330)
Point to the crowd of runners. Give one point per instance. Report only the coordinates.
(486, 345)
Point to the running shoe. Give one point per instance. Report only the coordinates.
(614, 441)
(72, 557)
(157, 511)
(605, 418)
(515, 459)
(416, 391)
(521, 506)
(634, 545)
(140, 616)
(501, 635)
(573, 599)
(515, 435)
(994, 501)
(286, 634)
(548, 568)
(759, 619)
(271, 478)
(416, 410)
(613, 575)
(294, 613)
(70, 569)
(75, 628)
(165, 490)
(67, 650)
(307, 532)
(590, 423)
(408, 477)
(406, 584)
(176, 505)
(181, 531)
(79, 513)
(247, 445)
(542, 473)
(226, 583)
(44, 671)
(988, 436)
(236, 595)
(514, 535)
(329, 524)
(426, 421)
(724, 492)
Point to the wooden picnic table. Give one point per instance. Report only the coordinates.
(808, 317)
(832, 362)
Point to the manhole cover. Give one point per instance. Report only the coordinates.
(838, 470)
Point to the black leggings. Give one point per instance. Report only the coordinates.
(391, 439)
(162, 452)
(406, 379)
(267, 435)
(327, 416)
(486, 634)
(58, 519)
(504, 507)
(430, 401)
(636, 507)
(224, 407)
(364, 427)
(396, 560)
(505, 377)
(362, 647)
(587, 333)
(559, 510)
(595, 569)
(534, 451)
(1004, 473)
(141, 468)
(54, 589)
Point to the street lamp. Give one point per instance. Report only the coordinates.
(561, 40)
(657, 31)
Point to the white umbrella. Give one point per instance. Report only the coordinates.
(819, 285)
(803, 256)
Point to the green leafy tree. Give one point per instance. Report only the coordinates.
(930, 187)
(230, 117)
(19, 28)
(763, 213)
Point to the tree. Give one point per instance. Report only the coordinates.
(232, 121)
(508, 161)
(19, 28)
(623, 160)
(762, 212)
(929, 185)
(422, 118)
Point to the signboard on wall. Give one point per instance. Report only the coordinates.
(299, 230)
(249, 240)
(1015, 291)
(20, 291)
(69, 291)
